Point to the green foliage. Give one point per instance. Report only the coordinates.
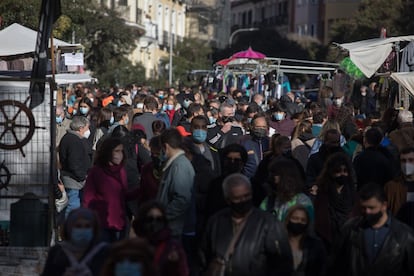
(121, 72)
(189, 54)
(24, 12)
(372, 15)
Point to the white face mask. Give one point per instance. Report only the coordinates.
(338, 102)
(407, 169)
(87, 133)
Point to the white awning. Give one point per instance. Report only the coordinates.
(72, 78)
(18, 40)
(406, 80)
(369, 55)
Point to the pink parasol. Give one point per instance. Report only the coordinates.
(249, 53)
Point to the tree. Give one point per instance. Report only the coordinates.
(372, 15)
(20, 11)
(189, 54)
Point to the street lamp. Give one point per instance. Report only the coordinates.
(239, 31)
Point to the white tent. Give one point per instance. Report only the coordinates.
(369, 55)
(73, 78)
(406, 80)
(18, 40)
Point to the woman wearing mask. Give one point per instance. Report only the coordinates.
(133, 257)
(105, 189)
(286, 189)
(309, 255)
(151, 225)
(80, 250)
(86, 110)
(302, 142)
(105, 120)
(335, 197)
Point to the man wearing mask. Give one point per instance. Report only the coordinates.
(62, 124)
(256, 144)
(226, 131)
(243, 240)
(337, 101)
(233, 159)
(75, 160)
(281, 122)
(400, 190)
(375, 243)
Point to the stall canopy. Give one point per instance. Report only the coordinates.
(406, 80)
(369, 55)
(19, 40)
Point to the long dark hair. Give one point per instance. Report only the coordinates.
(142, 214)
(291, 182)
(104, 152)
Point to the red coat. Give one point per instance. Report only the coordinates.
(105, 192)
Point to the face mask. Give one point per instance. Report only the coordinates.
(140, 105)
(296, 228)
(212, 120)
(153, 225)
(81, 236)
(164, 107)
(170, 107)
(287, 153)
(341, 180)
(407, 169)
(118, 104)
(112, 120)
(259, 133)
(372, 219)
(240, 209)
(163, 156)
(117, 158)
(126, 120)
(91, 99)
(232, 167)
(127, 268)
(186, 103)
(278, 116)
(228, 119)
(249, 120)
(59, 120)
(84, 110)
(337, 102)
(87, 133)
(74, 112)
(161, 96)
(156, 162)
(364, 94)
(199, 135)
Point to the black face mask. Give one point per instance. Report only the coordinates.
(342, 180)
(228, 119)
(296, 228)
(232, 167)
(372, 219)
(259, 133)
(153, 225)
(156, 162)
(240, 209)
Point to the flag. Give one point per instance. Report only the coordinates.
(49, 13)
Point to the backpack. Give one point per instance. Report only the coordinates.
(81, 268)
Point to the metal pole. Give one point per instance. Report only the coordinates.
(239, 31)
(170, 66)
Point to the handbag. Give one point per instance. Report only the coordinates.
(217, 266)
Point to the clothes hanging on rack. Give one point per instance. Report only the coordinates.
(407, 60)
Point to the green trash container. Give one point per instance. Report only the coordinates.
(28, 222)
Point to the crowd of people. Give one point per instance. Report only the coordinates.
(193, 182)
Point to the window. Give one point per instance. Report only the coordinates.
(122, 2)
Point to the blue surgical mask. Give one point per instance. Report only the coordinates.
(249, 120)
(84, 110)
(127, 268)
(112, 120)
(119, 103)
(59, 120)
(186, 103)
(212, 120)
(74, 112)
(161, 96)
(81, 236)
(164, 107)
(278, 116)
(126, 120)
(199, 135)
(170, 107)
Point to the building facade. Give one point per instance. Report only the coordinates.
(164, 23)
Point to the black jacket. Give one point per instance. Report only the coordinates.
(394, 258)
(262, 248)
(74, 156)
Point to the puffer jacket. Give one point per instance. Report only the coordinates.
(394, 258)
(262, 248)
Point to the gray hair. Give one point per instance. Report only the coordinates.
(234, 180)
(224, 105)
(79, 122)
